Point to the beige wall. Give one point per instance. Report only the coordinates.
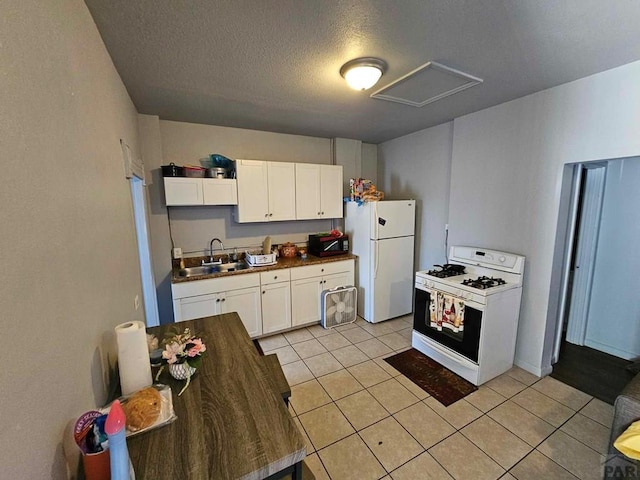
(418, 166)
(192, 228)
(517, 152)
(499, 176)
(68, 243)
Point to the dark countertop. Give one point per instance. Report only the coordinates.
(282, 263)
(232, 422)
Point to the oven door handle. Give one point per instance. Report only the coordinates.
(446, 353)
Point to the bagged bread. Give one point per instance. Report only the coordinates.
(142, 409)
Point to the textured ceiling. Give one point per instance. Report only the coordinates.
(274, 65)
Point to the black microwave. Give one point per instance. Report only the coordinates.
(324, 245)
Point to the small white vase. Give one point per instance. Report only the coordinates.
(181, 371)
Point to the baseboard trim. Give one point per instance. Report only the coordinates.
(538, 371)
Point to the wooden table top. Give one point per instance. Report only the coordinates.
(232, 423)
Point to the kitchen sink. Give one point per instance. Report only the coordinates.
(231, 266)
(209, 269)
(196, 271)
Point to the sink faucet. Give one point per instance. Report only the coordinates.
(211, 249)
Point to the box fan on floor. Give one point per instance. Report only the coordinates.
(339, 306)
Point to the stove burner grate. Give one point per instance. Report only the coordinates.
(443, 273)
(483, 282)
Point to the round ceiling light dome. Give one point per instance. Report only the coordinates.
(363, 73)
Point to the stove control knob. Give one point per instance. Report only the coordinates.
(430, 284)
(469, 296)
(459, 293)
(502, 259)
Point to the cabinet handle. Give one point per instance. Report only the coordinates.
(322, 213)
(275, 277)
(263, 292)
(266, 215)
(324, 281)
(320, 282)
(271, 214)
(318, 213)
(224, 299)
(322, 270)
(217, 299)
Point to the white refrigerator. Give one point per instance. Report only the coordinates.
(382, 236)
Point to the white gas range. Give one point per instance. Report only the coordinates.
(466, 312)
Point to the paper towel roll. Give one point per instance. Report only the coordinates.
(133, 357)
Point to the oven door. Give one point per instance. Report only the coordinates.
(465, 341)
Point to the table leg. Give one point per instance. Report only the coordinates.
(297, 471)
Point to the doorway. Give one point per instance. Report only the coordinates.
(144, 254)
(598, 330)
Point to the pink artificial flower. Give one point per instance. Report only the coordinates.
(198, 347)
(171, 352)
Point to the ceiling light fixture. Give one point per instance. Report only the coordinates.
(363, 73)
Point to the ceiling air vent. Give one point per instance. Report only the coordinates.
(426, 84)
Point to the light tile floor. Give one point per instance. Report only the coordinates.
(362, 419)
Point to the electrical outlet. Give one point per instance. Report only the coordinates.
(136, 302)
(177, 252)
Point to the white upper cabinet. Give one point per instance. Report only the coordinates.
(307, 191)
(318, 191)
(331, 191)
(266, 191)
(253, 200)
(200, 191)
(219, 191)
(183, 191)
(282, 191)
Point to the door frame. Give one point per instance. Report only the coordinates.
(590, 192)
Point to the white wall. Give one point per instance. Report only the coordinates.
(506, 179)
(613, 323)
(419, 166)
(68, 242)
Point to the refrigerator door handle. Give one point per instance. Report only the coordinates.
(376, 259)
(375, 219)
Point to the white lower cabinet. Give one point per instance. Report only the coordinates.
(203, 298)
(266, 302)
(307, 284)
(247, 303)
(276, 307)
(305, 300)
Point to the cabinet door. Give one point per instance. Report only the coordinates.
(276, 307)
(331, 191)
(307, 191)
(252, 191)
(305, 300)
(219, 191)
(336, 280)
(198, 307)
(282, 191)
(246, 302)
(183, 191)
